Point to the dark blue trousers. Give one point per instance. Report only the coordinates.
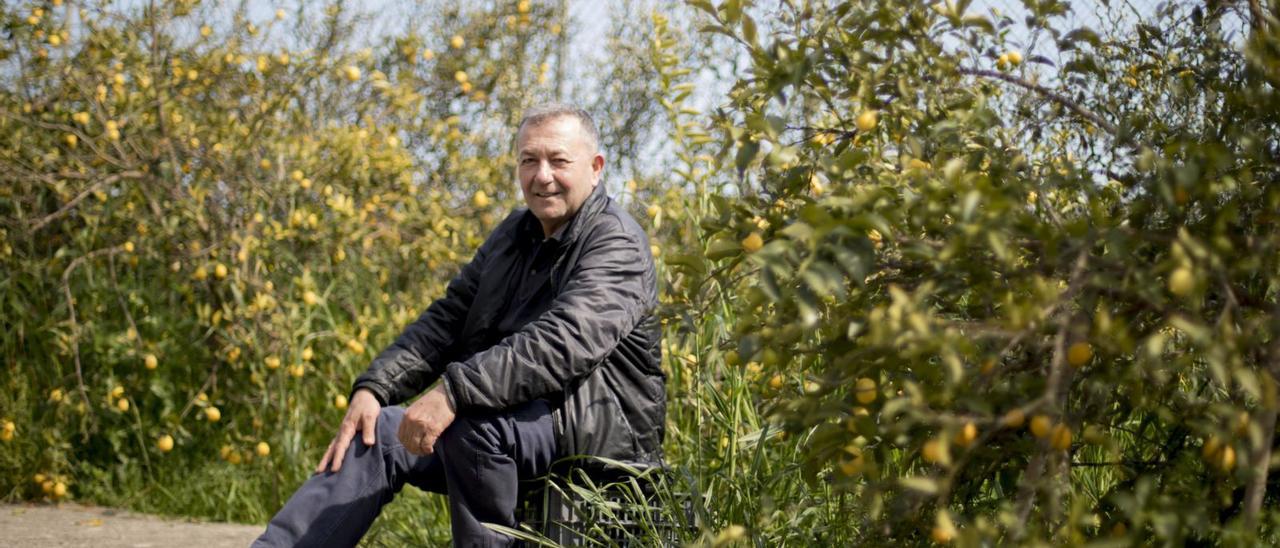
(478, 463)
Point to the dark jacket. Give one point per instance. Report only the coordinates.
(569, 320)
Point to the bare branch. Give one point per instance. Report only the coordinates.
(67, 207)
(1048, 93)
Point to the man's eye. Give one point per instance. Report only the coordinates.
(560, 161)
(528, 161)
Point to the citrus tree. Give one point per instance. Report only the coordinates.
(214, 217)
(998, 295)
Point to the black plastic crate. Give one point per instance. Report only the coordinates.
(594, 505)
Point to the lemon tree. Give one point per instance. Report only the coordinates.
(213, 218)
(1006, 296)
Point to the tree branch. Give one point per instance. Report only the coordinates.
(1048, 93)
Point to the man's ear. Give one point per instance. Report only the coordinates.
(597, 165)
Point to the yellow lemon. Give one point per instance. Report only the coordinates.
(263, 449)
(59, 489)
(1226, 460)
(732, 359)
(352, 72)
(150, 361)
(753, 242)
(1182, 281)
(457, 42)
(272, 362)
(1041, 425)
(81, 118)
(1079, 354)
(935, 451)
(868, 120)
(355, 346)
(340, 401)
(165, 443)
(866, 390)
(480, 199)
(776, 382)
(1014, 57)
(122, 404)
(220, 271)
(941, 535)
(311, 298)
(307, 353)
(966, 435)
(212, 414)
(1061, 437)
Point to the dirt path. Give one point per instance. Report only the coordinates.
(75, 525)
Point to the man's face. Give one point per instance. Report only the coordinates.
(557, 168)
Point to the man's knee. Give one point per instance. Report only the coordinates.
(469, 435)
(388, 427)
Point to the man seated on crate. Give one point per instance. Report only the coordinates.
(545, 345)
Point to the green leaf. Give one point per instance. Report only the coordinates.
(1082, 34)
(722, 248)
(928, 486)
(746, 153)
(748, 29)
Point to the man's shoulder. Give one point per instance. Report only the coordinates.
(510, 226)
(614, 219)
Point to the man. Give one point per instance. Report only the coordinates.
(545, 345)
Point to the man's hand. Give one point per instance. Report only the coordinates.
(425, 420)
(362, 416)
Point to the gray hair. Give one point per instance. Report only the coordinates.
(539, 114)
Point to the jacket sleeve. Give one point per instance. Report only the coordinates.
(412, 362)
(604, 298)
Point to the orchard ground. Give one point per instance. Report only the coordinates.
(77, 525)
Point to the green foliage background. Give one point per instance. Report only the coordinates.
(888, 245)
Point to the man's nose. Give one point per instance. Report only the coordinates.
(543, 174)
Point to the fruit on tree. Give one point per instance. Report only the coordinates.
(1079, 354)
(1181, 281)
(868, 120)
(967, 434)
(865, 390)
(1060, 438)
(1041, 426)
